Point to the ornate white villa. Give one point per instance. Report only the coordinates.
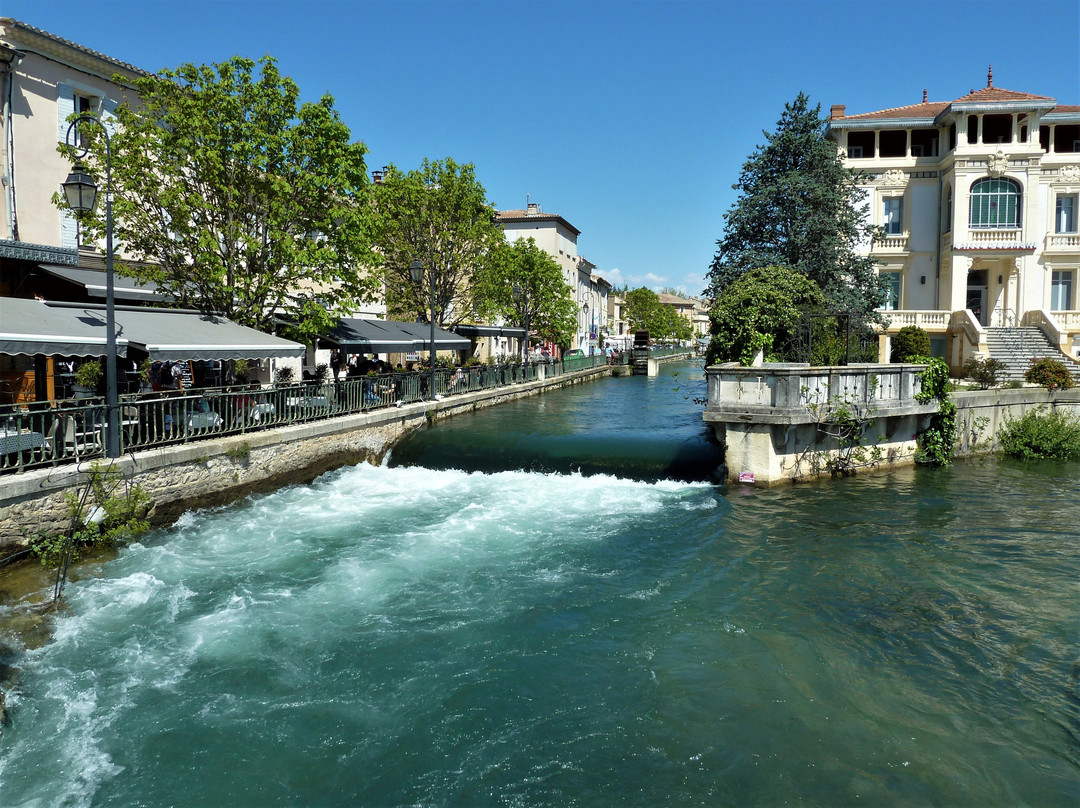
(979, 199)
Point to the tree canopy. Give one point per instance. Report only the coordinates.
(243, 201)
(525, 284)
(643, 310)
(761, 310)
(799, 207)
(439, 215)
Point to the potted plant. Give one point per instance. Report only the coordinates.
(284, 376)
(87, 379)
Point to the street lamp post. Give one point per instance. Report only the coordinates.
(416, 272)
(81, 193)
(522, 294)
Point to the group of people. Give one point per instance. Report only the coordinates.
(360, 366)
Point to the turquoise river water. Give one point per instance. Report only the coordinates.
(455, 634)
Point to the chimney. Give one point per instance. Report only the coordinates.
(924, 96)
(532, 209)
(837, 110)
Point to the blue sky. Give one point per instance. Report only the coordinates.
(629, 119)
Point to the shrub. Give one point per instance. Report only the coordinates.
(89, 374)
(984, 372)
(910, 341)
(1049, 373)
(285, 375)
(1041, 435)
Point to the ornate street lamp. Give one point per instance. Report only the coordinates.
(416, 273)
(81, 193)
(522, 295)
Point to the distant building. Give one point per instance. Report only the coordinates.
(978, 199)
(558, 238)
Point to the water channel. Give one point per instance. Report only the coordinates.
(468, 633)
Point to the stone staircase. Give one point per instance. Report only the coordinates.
(1016, 347)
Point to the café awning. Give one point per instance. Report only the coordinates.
(93, 281)
(388, 336)
(31, 327)
(444, 340)
(78, 329)
(474, 331)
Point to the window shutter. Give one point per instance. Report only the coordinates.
(69, 230)
(65, 105)
(108, 115)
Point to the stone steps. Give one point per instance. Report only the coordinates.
(1017, 347)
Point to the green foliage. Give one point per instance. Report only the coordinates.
(439, 215)
(910, 341)
(643, 310)
(1041, 435)
(984, 372)
(240, 452)
(89, 374)
(937, 440)
(800, 208)
(240, 371)
(761, 310)
(239, 200)
(525, 285)
(1049, 373)
(285, 375)
(107, 512)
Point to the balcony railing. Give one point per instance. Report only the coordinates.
(927, 320)
(50, 433)
(897, 243)
(1063, 242)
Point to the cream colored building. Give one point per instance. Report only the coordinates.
(558, 238)
(978, 200)
(43, 80)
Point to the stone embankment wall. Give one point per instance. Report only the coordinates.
(981, 414)
(217, 471)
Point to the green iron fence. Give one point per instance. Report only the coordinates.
(59, 432)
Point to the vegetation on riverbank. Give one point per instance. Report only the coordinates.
(1041, 435)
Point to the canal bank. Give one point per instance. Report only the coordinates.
(213, 472)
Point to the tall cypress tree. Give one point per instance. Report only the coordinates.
(799, 207)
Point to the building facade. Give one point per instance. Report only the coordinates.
(558, 238)
(977, 200)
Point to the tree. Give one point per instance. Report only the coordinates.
(525, 284)
(799, 207)
(761, 310)
(243, 202)
(439, 215)
(643, 310)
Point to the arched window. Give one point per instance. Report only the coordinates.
(995, 203)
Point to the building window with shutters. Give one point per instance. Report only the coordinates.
(1061, 290)
(995, 203)
(1065, 213)
(893, 218)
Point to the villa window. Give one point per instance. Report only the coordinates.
(1065, 213)
(995, 203)
(893, 218)
(892, 290)
(1061, 290)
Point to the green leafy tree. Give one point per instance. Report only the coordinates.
(242, 200)
(439, 215)
(911, 340)
(761, 310)
(643, 310)
(671, 325)
(525, 284)
(799, 207)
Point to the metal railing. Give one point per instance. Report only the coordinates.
(51, 433)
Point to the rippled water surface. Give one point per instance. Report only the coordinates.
(413, 636)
